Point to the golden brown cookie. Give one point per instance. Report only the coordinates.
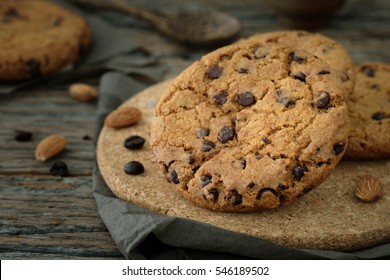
(38, 38)
(369, 112)
(320, 45)
(251, 126)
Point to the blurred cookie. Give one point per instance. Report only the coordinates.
(369, 113)
(38, 38)
(251, 126)
(319, 45)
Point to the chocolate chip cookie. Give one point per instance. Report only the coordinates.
(321, 46)
(369, 112)
(38, 38)
(251, 126)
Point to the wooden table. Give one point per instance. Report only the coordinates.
(48, 217)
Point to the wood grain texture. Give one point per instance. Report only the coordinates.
(46, 217)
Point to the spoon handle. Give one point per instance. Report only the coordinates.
(157, 19)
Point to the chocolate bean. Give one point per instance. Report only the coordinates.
(234, 198)
(284, 100)
(174, 177)
(245, 98)
(203, 132)
(205, 180)
(243, 71)
(368, 71)
(266, 140)
(214, 194)
(251, 185)
(226, 134)
(134, 168)
(215, 72)
(296, 58)
(243, 163)
(221, 97)
(338, 148)
(300, 76)
(323, 72)
(322, 100)
(207, 146)
(298, 172)
(59, 168)
(22, 136)
(378, 116)
(134, 142)
(87, 137)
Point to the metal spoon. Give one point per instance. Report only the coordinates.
(200, 28)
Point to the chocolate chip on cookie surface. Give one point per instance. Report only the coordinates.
(267, 140)
(38, 38)
(369, 112)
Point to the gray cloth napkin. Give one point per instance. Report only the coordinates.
(142, 234)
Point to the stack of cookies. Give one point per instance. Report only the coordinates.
(39, 38)
(257, 124)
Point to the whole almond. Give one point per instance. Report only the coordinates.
(50, 146)
(369, 188)
(123, 116)
(82, 92)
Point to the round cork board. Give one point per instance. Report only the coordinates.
(329, 217)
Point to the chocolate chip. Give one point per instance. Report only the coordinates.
(323, 72)
(134, 168)
(22, 136)
(207, 146)
(378, 116)
(134, 142)
(214, 194)
(221, 97)
(284, 100)
(174, 177)
(282, 187)
(300, 76)
(195, 168)
(203, 132)
(298, 172)
(12, 12)
(243, 71)
(266, 140)
(243, 163)
(215, 72)
(374, 86)
(251, 185)
(368, 71)
(338, 148)
(166, 166)
(57, 21)
(205, 180)
(322, 99)
(245, 98)
(234, 198)
(258, 155)
(261, 193)
(191, 160)
(226, 134)
(307, 189)
(59, 168)
(295, 58)
(260, 52)
(33, 67)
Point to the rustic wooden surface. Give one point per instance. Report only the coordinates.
(48, 217)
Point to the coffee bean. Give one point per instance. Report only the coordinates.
(322, 99)
(295, 58)
(215, 72)
(323, 72)
(221, 97)
(368, 71)
(134, 168)
(204, 132)
(298, 172)
(226, 134)
(378, 116)
(86, 137)
(207, 146)
(134, 142)
(174, 177)
(22, 136)
(300, 76)
(245, 98)
(234, 198)
(205, 180)
(338, 148)
(59, 168)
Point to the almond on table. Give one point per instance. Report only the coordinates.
(83, 92)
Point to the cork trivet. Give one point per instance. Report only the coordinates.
(329, 217)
